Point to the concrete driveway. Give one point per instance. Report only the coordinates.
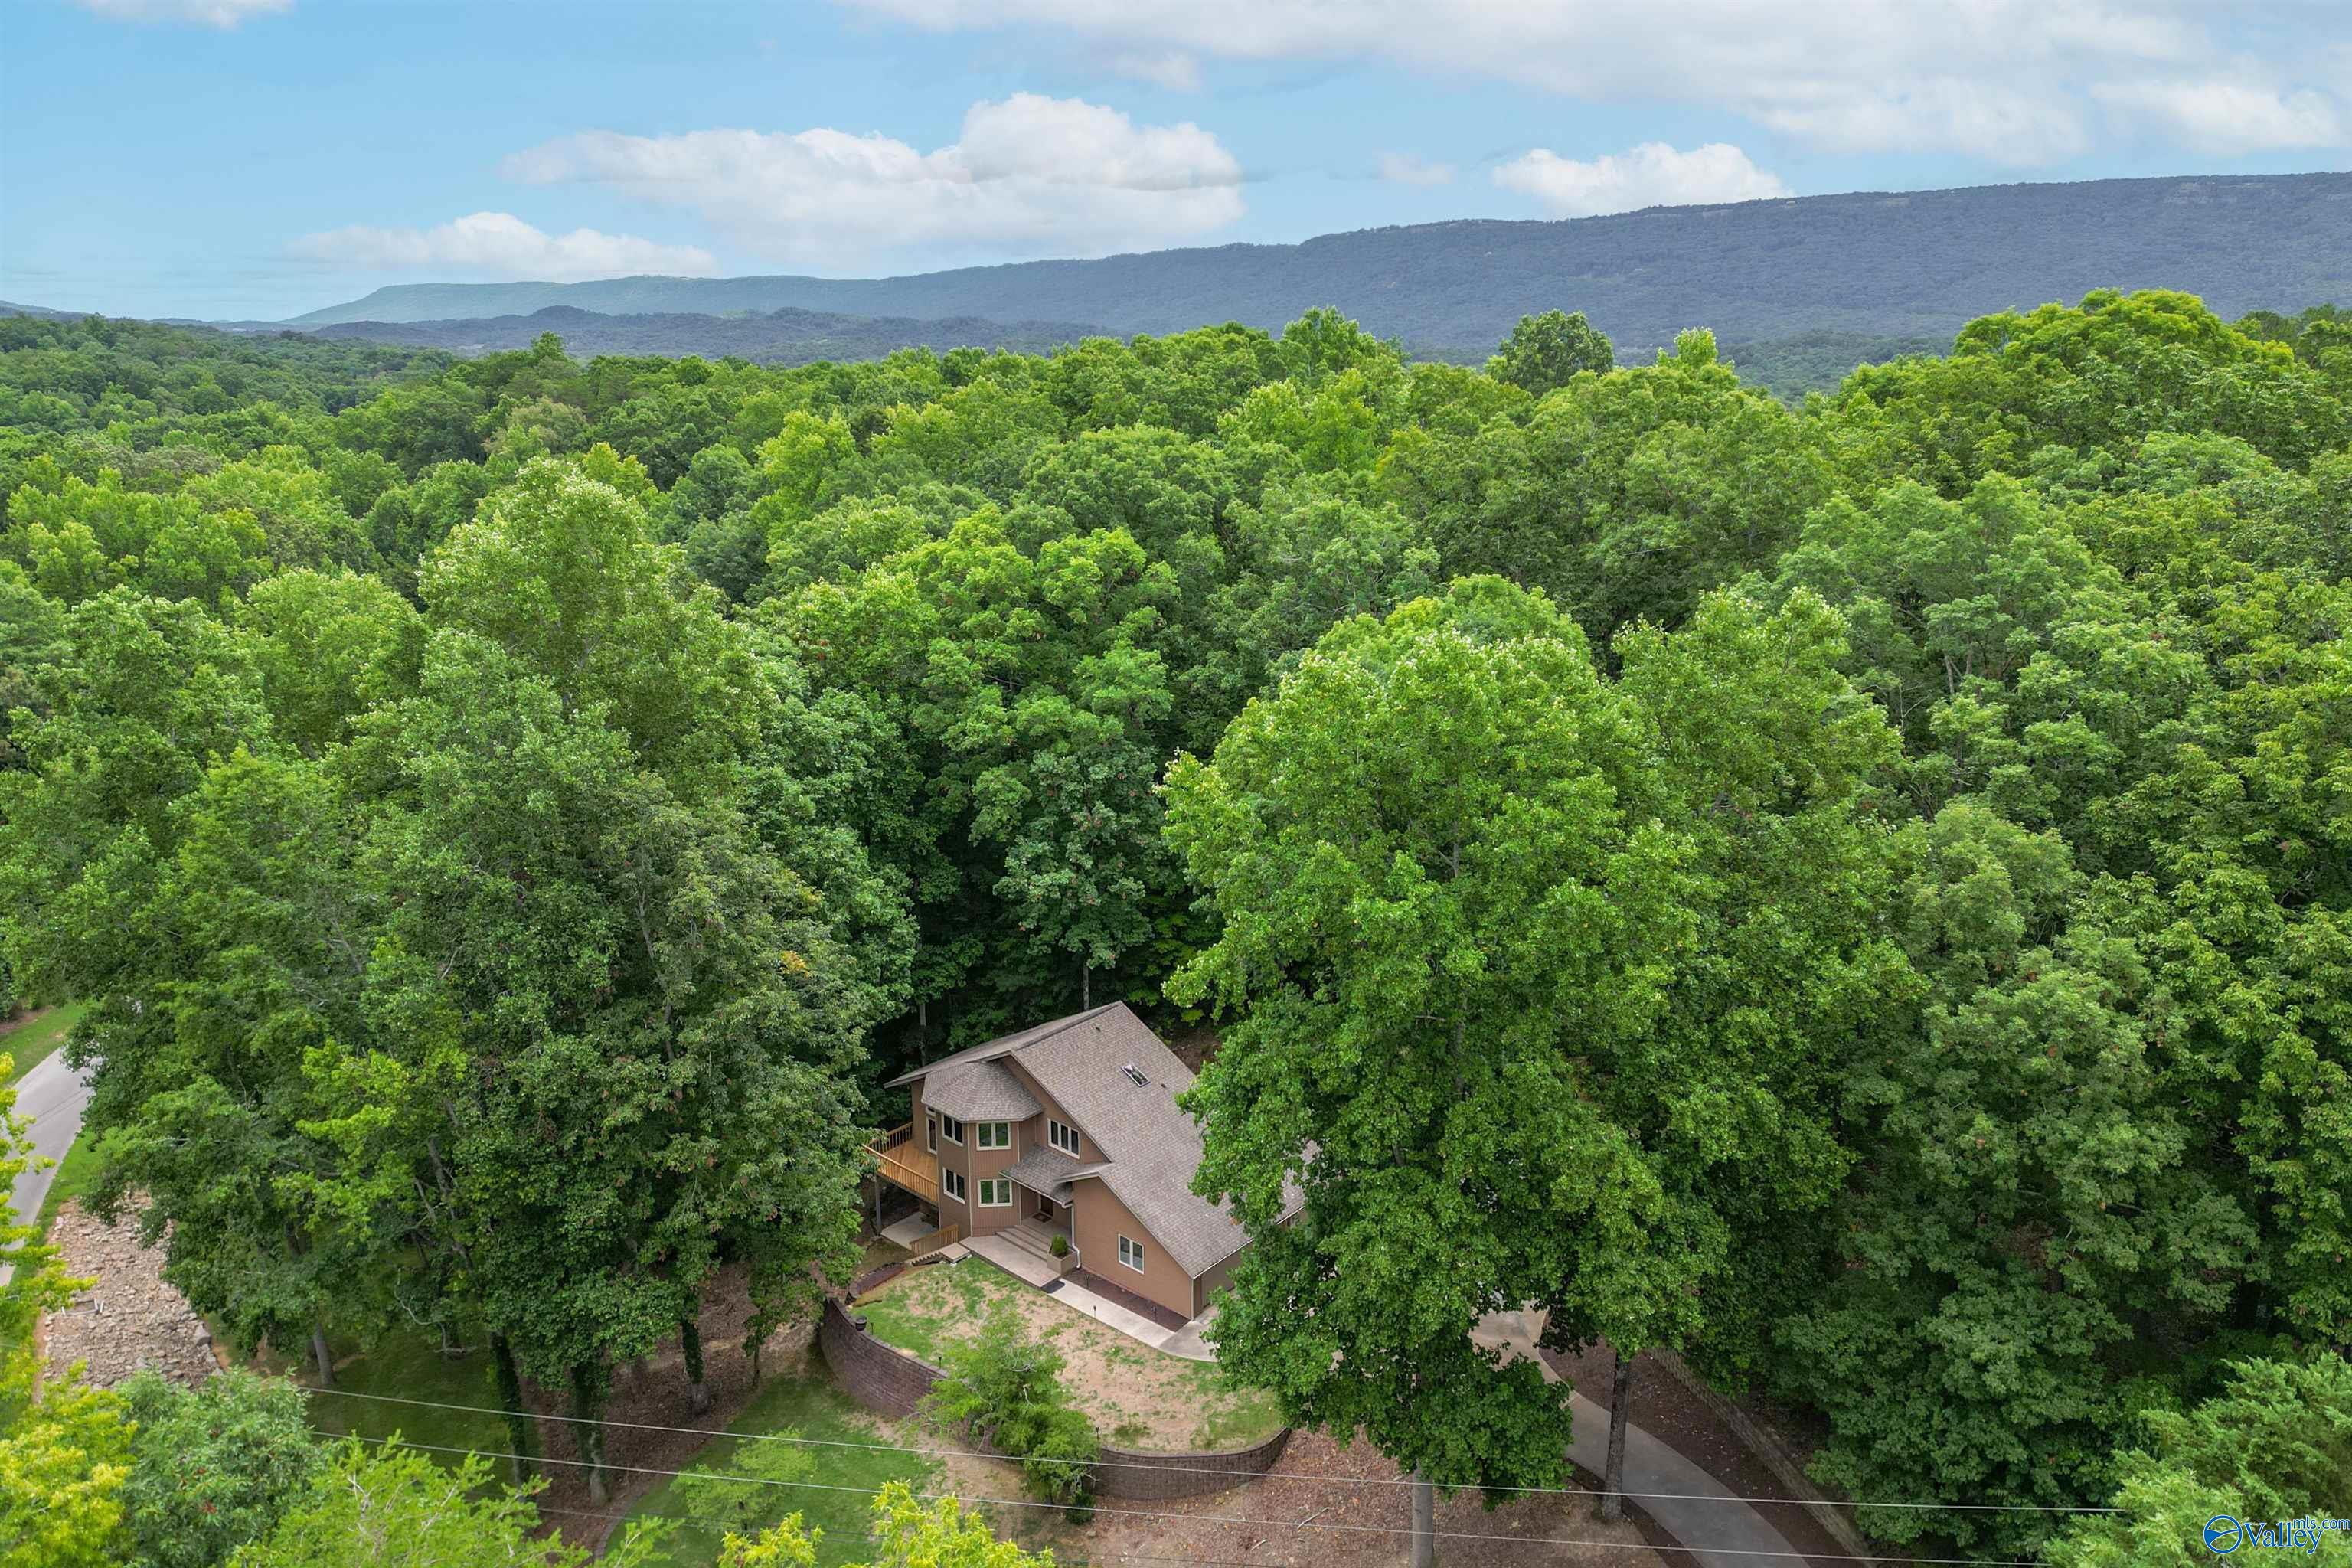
(1684, 1500)
(53, 1097)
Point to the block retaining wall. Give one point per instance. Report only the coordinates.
(882, 1377)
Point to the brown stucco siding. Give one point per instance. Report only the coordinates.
(974, 1163)
(1205, 1288)
(1098, 1219)
(985, 1163)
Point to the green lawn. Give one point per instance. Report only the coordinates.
(30, 1044)
(75, 1174)
(805, 1406)
(409, 1367)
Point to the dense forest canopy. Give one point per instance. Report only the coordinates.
(1860, 893)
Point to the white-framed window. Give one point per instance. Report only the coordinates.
(951, 1128)
(996, 1192)
(1062, 1136)
(951, 1183)
(931, 1127)
(993, 1134)
(1132, 1254)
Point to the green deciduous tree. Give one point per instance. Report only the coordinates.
(1547, 351)
(1482, 932)
(213, 1467)
(397, 1507)
(2275, 1445)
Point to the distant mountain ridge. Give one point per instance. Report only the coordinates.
(1914, 265)
(785, 337)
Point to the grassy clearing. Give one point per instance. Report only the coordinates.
(75, 1174)
(407, 1367)
(1136, 1396)
(36, 1039)
(803, 1406)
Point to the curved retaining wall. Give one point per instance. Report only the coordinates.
(882, 1377)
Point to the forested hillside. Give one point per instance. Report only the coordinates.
(1909, 265)
(772, 337)
(1860, 894)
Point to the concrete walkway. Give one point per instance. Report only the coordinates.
(1713, 1531)
(53, 1097)
(1030, 1269)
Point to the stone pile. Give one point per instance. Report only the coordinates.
(126, 1317)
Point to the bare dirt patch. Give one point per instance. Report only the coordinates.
(1295, 1519)
(1138, 1397)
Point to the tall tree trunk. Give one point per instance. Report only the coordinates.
(1424, 1522)
(690, 1335)
(510, 1382)
(591, 1381)
(1621, 1405)
(1086, 986)
(318, 1352)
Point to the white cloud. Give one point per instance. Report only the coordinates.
(1028, 176)
(1406, 169)
(211, 12)
(1651, 175)
(2226, 118)
(1171, 68)
(501, 246)
(2006, 80)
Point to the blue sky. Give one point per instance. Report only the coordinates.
(258, 158)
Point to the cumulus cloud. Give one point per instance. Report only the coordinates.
(1406, 169)
(501, 246)
(1652, 174)
(210, 12)
(2226, 118)
(2007, 80)
(1028, 175)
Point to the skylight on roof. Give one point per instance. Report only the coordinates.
(1132, 1071)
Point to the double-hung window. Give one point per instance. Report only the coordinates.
(932, 1129)
(1062, 1136)
(993, 1134)
(951, 1128)
(951, 1183)
(995, 1192)
(1132, 1254)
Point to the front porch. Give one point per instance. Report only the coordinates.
(1033, 1238)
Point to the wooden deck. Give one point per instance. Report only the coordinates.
(902, 1161)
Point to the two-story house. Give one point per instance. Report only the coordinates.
(1072, 1128)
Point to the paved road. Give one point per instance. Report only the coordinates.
(53, 1096)
(1720, 1534)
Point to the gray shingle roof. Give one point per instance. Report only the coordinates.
(979, 1091)
(1050, 1172)
(1150, 1147)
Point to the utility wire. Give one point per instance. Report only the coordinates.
(1222, 1518)
(1198, 1469)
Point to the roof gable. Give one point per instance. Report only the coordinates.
(1150, 1146)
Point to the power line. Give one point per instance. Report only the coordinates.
(1225, 1518)
(1196, 1469)
(1109, 1556)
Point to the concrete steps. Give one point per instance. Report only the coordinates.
(1035, 1242)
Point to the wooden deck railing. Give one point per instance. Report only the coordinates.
(901, 1160)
